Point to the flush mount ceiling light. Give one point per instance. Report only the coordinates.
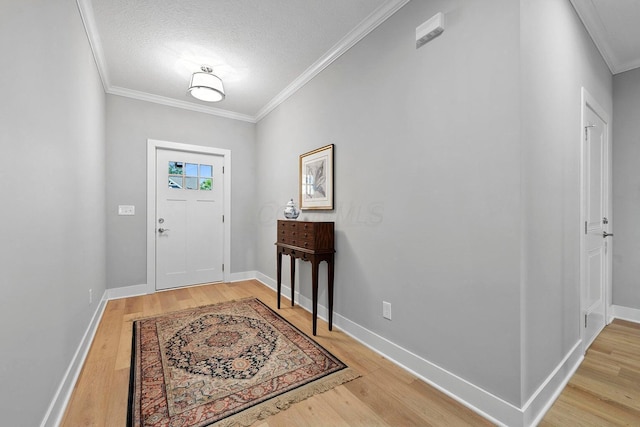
(206, 86)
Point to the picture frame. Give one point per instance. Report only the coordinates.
(316, 179)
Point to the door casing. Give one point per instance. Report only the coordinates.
(152, 146)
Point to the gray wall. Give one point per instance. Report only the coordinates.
(457, 184)
(427, 185)
(457, 187)
(558, 58)
(52, 183)
(626, 189)
(129, 124)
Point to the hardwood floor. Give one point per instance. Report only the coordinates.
(604, 391)
(385, 395)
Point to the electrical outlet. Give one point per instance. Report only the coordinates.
(90, 296)
(386, 310)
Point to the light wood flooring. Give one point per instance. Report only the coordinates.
(605, 390)
(385, 395)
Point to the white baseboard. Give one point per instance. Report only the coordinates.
(58, 405)
(484, 403)
(475, 398)
(542, 400)
(244, 275)
(625, 313)
(266, 280)
(55, 412)
(129, 291)
(144, 289)
(302, 301)
(478, 400)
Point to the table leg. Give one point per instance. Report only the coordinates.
(330, 289)
(279, 275)
(314, 291)
(293, 278)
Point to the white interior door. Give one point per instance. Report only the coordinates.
(595, 197)
(189, 228)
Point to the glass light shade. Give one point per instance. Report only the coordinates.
(206, 87)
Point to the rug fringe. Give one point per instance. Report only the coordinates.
(284, 401)
(195, 307)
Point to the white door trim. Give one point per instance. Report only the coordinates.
(588, 101)
(152, 146)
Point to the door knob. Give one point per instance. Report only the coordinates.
(605, 234)
(162, 230)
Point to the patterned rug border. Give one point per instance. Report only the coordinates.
(263, 409)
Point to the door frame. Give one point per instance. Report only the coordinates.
(588, 101)
(152, 146)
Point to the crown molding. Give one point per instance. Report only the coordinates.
(628, 66)
(589, 17)
(592, 22)
(157, 99)
(91, 29)
(370, 23)
(376, 18)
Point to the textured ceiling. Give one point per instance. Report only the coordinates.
(149, 48)
(264, 50)
(614, 26)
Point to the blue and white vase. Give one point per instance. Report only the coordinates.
(291, 212)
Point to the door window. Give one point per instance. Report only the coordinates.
(190, 176)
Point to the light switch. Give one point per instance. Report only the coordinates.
(126, 210)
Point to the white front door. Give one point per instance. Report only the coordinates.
(595, 197)
(189, 229)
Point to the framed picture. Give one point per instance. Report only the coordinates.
(316, 179)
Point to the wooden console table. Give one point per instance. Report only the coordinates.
(307, 241)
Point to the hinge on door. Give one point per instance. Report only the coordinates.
(222, 267)
(222, 218)
(585, 227)
(223, 169)
(585, 320)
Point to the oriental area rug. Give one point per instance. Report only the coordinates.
(223, 365)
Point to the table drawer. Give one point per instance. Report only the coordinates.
(306, 234)
(295, 226)
(301, 243)
(297, 238)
